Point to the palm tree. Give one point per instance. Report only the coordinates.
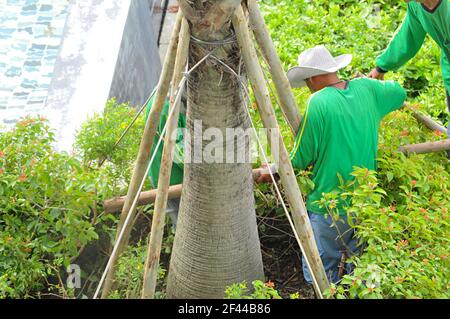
(216, 242)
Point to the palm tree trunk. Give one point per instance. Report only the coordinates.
(216, 242)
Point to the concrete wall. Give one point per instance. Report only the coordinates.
(138, 65)
(108, 49)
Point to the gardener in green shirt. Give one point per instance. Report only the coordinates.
(426, 17)
(339, 131)
(176, 176)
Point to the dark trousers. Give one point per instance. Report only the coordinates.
(333, 238)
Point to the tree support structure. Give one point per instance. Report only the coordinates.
(287, 175)
(144, 151)
(191, 276)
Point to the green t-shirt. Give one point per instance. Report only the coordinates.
(176, 176)
(340, 130)
(410, 36)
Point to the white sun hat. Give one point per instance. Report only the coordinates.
(316, 61)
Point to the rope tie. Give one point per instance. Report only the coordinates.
(229, 40)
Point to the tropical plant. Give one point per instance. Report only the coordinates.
(48, 209)
(401, 209)
(260, 290)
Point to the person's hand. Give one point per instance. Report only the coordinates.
(375, 74)
(359, 75)
(265, 177)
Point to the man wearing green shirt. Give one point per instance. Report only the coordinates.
(423, 17)
(339, 131)
(176, 176)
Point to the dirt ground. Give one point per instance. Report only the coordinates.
(280, 251)
(282, 257)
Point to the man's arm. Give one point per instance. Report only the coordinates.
(305, 150)
(390, 96)
(405, 44)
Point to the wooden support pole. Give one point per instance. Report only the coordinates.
(429, 122)
(115, 204)
(288, 179)
(145, 150)
(280, 80)
(429, 147)
(158, 222)
(426, 120)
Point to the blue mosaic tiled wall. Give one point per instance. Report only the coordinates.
(30, 36)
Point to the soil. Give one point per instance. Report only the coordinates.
(282, 257)
(280, 251)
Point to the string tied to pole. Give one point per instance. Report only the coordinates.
(232, 39)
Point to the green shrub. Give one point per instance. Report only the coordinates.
(406, 234)
(51, 202)
(402, 209)
(130, 273)
(362, 28)
(260, 291)
(401, 215)
(47, 208)
(97, 137)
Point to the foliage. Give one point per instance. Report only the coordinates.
(401, 213)
(97, 138)
(260, 291)
(361, 28)
(405, 234)
(402, 209)
(130, 272)
(47, 208)
(50, 201)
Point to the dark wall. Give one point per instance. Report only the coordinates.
(138, 65)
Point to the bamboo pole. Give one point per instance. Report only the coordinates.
(426, 120)
(115, 204)
(145, 150)
(288, 179)
(157, 230)
(429, 147)
(280, 80)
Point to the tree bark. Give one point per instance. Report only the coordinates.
(216, 242)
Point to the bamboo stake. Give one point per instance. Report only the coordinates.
(282, 85)
(427, 121)
(115, 204)
(157, 230)
(429, 147)
(288, 180)
(145, 150)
